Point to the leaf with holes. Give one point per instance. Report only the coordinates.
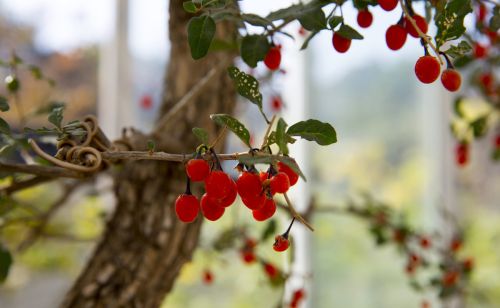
(450, 21)
(314, 130)
(201, 134)
(254, 49)
(201, 31)
(234, 125)
(246, 85)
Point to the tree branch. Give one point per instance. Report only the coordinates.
(43, 171)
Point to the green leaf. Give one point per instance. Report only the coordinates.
(334, 21)
(450, 21)
(201, 31)
(246, 85)
(5, 262)
(35, 72)
(4, 127)
(459, 50)
(49, 107)
(308, 39)
(313, 19)
(348, 32)
(458, 107)
(256, 20)
(281, 139)
(234, 125)
(4, 105)
(56, 116)
(462, 61)
(314, 130)
(286, 13)
(254, 49)
(479, 126)
(495, 19)
(249, 159)
(151, 146)
(201, 134)
(269, 231)
(189, 7)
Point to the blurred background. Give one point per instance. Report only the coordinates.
(108, 58)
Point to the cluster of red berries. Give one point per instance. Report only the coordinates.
(273, 58)
(395, 36)
(297, 297)
(427, 70)
(255, 189)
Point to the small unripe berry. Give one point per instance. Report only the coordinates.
(266, 211)
(427, 69)
(187, 207)
(364, 18)
(340, 43)
(218, 184)
(281, 243)
(395, 37)
(197, 169)
(292, 176)
(421, 24)
(280, 183)
(210, 208)
(451, 79)
(249, 185)
(273, 58)
(388, 5)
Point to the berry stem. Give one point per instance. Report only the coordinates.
(216, 158)
(285, 235)
(188, 186)
(295, 214)
(449, 65)
(268, 131)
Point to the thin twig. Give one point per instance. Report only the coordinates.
(268, 130)
(219, 137)
(44, 171)
(295, 214)
(16, 186)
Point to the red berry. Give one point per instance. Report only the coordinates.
(450, 278)
(187, 207)
(249, 185)
(218, 184)
(451, 79)
(425, 304)
(365, 18)
(462, 154)
(280, 183)
(292, 176)
(197, 169)
(427, 69)
(210, 208)
(263, 176)
(340, 43)
(497, 141)
(487, 82)
(248, 256)
(468, 264)
(266, 211)
(208, 277)
(271, 270)
(421, 24)
(425, 242)
(250, 243)
(481, 13)
(273, 58)
(255, 202)
(276, 103)
(281, 243)
(388, 5)
(395, 37)
(455, 244)
(231, 196)
(146, 102)
(480, 51)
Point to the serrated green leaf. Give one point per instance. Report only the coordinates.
(459, 50)
(5, 262)
(314, 130)
(269, 231)
(281, 139)
(234, 125)
(334, 21)
(313, 19)
(4, 104)
(201, 134)
(56, 116)
(189, 7)
(254, 49)
(348, 32)
(201, 31)
(4, 127)
(249, 159)
(450, 21)
(246, 85)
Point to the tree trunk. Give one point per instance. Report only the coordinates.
(144, 245)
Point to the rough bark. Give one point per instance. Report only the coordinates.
(144, 245)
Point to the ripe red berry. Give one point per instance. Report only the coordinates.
(273, 58)
(255, 202)
(450, 278)
(218, 184)
(388, 5)
(276, 103)
(365, 18)
(197, 169)
(487, 82)
(468, 264)
(187, 207)
(455, 244)
(395, 37)
(208, 277)
(271, 270)
(146, 102)
(480, 51)
(281, 243)
(481, 13)
(292, 176)
(263, 176)
(248, 256)
(340, 43)
(451, 79)
(497, 141)
(427, 69)
(231, 195)
(210, 208)
(249, 185)
(425, 242)
(280, 183)
(266, 211)
(462, 154)
(421, 24)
